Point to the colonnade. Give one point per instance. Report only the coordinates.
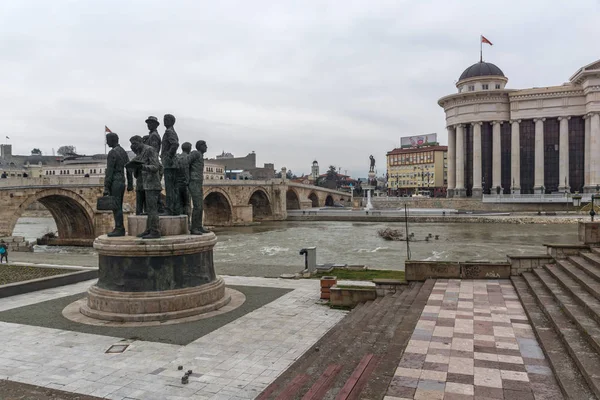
(457, 155)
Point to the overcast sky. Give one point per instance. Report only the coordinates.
(294, 81)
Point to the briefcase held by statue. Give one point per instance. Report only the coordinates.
(106, 203)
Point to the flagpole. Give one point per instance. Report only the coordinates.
(480, 48)
(105, 139)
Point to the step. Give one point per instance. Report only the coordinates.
(580, 293)
(388, 349)
(593, 261)
(595, 250)
(315, 363)
(578, 314)
(581, 352)
(338, 333)
(397, 341)
(368, 341)
(583, 272)
(565, 370)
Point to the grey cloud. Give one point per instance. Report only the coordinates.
(291, 80)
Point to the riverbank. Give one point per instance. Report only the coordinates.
(382, 216)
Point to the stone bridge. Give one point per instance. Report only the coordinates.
(72, 202)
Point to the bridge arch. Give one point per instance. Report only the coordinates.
(329, 201)
(314, 199)
(292, 200)
(261, 205)
(217, 208)
(73, 215)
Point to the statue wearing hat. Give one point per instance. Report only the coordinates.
(146, 163)
(153, 137)
(153, 140)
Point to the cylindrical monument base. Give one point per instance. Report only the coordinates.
(143, 280)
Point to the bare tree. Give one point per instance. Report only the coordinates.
(66, 150)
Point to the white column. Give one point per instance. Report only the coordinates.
(496, 156)
(539, 155)
(594, 150)
(515, 157)
(563, 155)
(459, 190)
(477, 189)
(587, 158)
(451, 161)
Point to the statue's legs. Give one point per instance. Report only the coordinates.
(117, 190)
(173, 207)
(161, 205)
(140, 198)
(152, 224)
(196, 191)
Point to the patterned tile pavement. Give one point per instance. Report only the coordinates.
(236, 361)
(473, 341)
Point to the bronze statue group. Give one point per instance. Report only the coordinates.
(183, 176)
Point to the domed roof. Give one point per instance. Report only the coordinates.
(481, 69)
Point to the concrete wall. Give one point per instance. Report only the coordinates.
(467, 204)
(423, 270)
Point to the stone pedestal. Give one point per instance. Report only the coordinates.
(477, 193)
(460, 192)
(169, 225)
(589, 233)
(141, 280)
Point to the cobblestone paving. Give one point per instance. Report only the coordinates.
(473, 341)
(236, 361)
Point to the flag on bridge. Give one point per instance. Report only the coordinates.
(106, 130)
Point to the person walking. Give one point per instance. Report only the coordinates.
(3, 251)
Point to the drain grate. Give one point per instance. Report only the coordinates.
(117, 348)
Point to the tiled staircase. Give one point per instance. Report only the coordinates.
(358, 357)
(562, 301)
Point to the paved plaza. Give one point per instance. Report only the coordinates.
(473, 340)
(235, 361)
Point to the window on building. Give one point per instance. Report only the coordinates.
(485, 86)
(497, 86)
(471, 88)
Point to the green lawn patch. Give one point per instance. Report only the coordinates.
(362, 275)
(18, 273)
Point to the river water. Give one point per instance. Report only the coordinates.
(270, 249)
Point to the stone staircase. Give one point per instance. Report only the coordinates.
(562, 301)
(357, 358)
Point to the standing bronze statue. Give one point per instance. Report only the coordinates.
(183, 179)
(114, 180)
(146, 162)
(153, 139)
(372, 166)
(169, 146)
(196, 162)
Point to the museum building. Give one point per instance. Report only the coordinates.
(539, 140)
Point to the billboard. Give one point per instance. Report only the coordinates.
(419, 140)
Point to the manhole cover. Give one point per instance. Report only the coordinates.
(117, 348)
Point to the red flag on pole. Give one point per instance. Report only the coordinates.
(106, 130)
(484, 40)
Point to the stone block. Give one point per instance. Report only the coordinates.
(589, 233)
(351, 296)
(476, 270)
(169, 225)
(423, 270)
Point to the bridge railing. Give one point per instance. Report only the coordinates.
(62, 181)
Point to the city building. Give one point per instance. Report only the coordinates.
(17, 166)
(418, 167)
(245, 164)
(538, 140)
(78, 166)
